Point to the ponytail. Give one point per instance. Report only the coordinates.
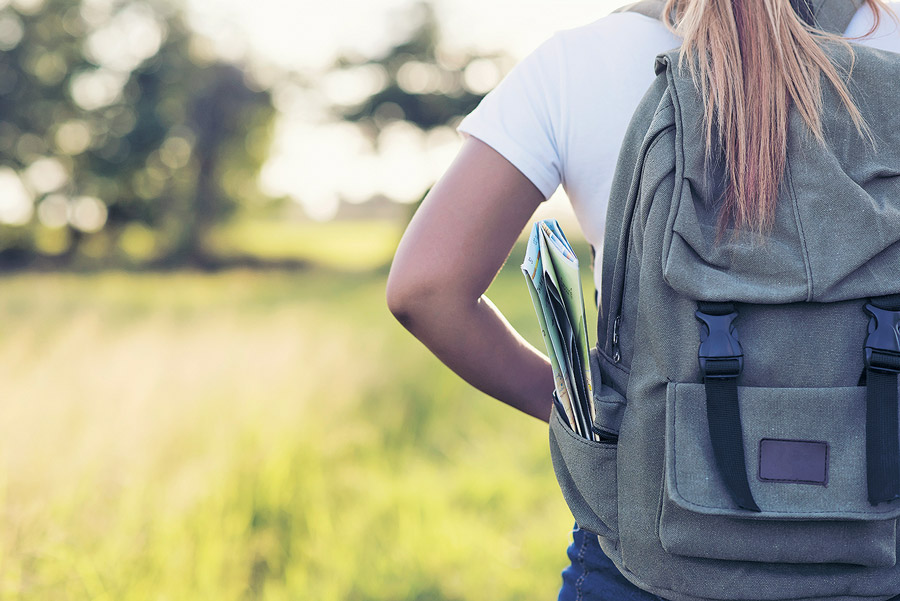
(754, 58)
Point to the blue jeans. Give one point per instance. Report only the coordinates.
(592, 575)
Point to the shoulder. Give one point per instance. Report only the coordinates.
(601, 57)
(616, 33)
(618, 48)
(625, 29)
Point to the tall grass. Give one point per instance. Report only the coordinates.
(258, 436)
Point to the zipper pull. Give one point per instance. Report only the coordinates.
(615, 339)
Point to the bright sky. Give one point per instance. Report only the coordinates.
(316, 161)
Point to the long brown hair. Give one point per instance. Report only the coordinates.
(752, 59)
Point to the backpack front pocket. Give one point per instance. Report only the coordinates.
(805, 455)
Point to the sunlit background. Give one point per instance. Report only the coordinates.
(452, 48)
(203, 395)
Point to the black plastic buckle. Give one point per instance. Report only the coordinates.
(883, 339)
(720, 353)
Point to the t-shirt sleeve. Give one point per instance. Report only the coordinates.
(520, 117)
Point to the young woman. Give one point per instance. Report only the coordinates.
(559, 118)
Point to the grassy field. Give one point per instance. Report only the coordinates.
(344, 245)
(258, 436)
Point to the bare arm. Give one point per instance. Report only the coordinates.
(453, 248)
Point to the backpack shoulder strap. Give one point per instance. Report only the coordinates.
(648, 8)
(829, 15)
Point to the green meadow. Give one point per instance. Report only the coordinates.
(260, 435)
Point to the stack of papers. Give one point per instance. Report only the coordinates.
(551, 273)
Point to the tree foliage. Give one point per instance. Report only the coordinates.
(424, 84)
(121, 140)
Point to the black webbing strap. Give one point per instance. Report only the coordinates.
(882, 349)
(721, 362)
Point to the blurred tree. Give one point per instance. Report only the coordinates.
(121, 137)
(419, 80)
(207, 132)
(423, 82)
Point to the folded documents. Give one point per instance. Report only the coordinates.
(551, 274)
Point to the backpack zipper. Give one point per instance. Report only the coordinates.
(625, 241)
(615, 340)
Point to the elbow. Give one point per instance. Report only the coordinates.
(403, 298)
(417, 301)
(398, 302)
(421, 295)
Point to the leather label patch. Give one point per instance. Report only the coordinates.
(797, 461)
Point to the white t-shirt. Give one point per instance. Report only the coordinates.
(560, 115)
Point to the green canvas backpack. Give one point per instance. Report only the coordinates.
(751, 388)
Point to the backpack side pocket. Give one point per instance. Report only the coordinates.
(586, 472)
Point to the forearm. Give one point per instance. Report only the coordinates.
(477, 342)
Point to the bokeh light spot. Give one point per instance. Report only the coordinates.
(49, 68)
(175, 152)
(30, 147)
(415, 77)
(16, 203)
(403, 169)
(96, 13)
(46, 175)
(138, 242)
(481, 76)
(388, 112)
(28, 7)
(149, 182)
(73, 137)
(122, 121)
(97, 88)
(87, 213)
(132, 36)
(11, 31)
(352, 86)
(53, 211)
